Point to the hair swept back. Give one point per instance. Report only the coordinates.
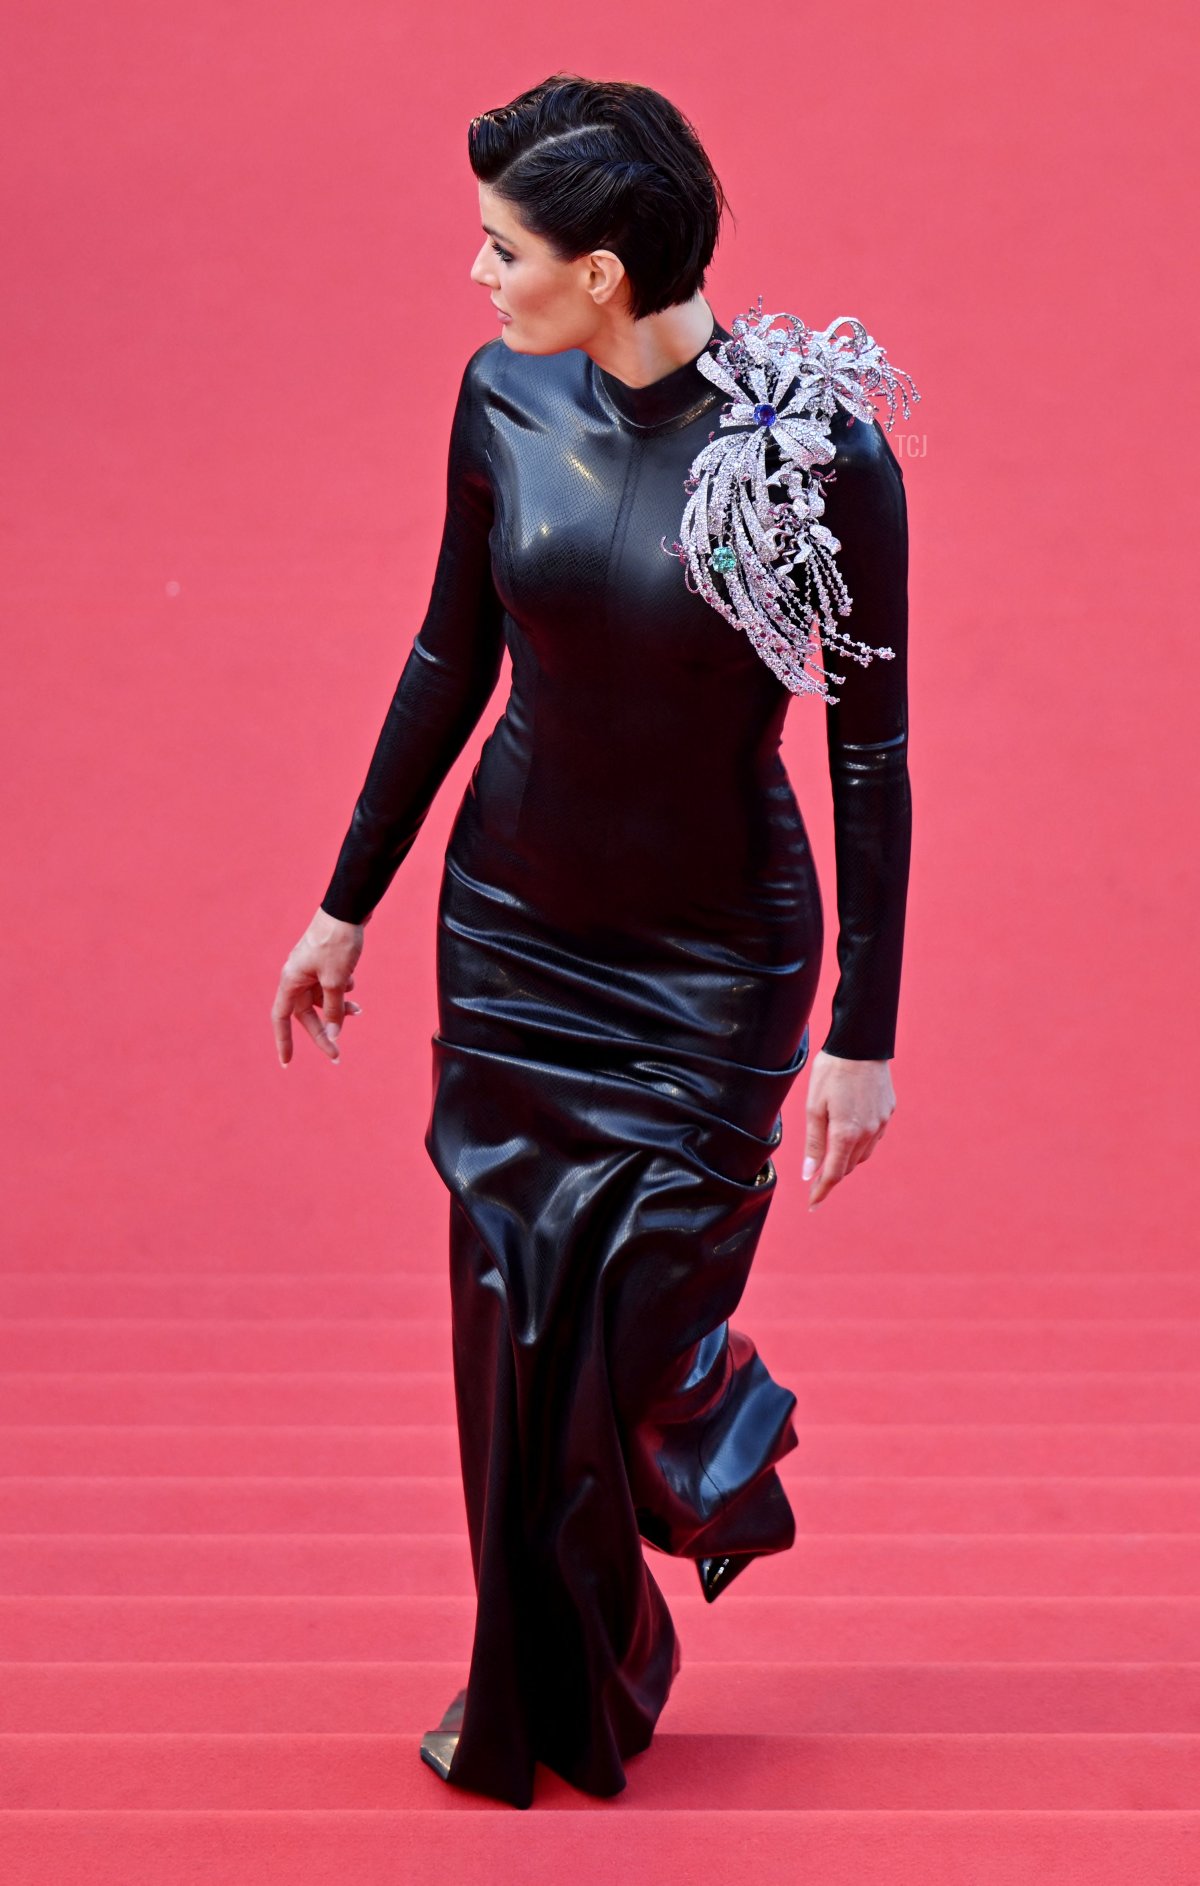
(607, 164)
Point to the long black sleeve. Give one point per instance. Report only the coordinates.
(447, 680)
(867, 733)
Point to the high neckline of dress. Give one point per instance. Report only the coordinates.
(674, 396)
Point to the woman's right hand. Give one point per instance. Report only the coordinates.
(318, 974)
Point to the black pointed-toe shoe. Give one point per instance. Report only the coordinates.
(438, 1745)
(716, 1573)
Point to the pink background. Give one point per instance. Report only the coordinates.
(236, 308)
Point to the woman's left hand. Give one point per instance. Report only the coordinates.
(849, 1106)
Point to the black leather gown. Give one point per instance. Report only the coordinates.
(629, 939)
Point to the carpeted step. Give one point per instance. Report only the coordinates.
(809, 1698)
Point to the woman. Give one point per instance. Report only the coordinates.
(629, 933)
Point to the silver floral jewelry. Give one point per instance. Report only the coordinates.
(740, 546)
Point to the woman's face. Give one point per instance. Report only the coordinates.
(550, 305)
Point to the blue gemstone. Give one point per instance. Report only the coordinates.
(723, 558)
(764, 415)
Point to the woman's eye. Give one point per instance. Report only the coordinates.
(504, 254)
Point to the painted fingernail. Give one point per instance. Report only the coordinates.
(809, 1167)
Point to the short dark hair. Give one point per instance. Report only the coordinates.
(606, 164)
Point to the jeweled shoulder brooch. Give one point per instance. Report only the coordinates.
(742, 546)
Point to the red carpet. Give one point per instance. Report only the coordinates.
(234, 1580)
